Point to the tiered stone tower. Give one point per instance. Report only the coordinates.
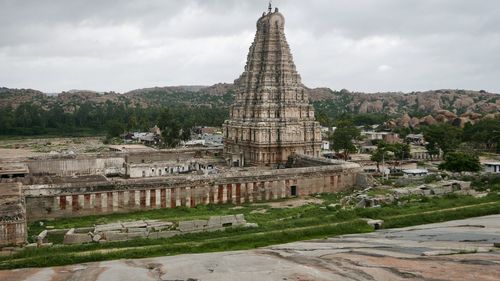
(271, 118)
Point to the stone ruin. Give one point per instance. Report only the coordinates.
(152, 229)
(363, 200)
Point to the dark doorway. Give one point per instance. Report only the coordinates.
(293, 190)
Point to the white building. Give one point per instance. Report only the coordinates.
(325, 145)
(492, 167)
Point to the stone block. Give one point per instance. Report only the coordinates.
(42, 237)
(112, 236)
(211, 229)
(164, 234)
(240, 218)
(376, 224)
(134, 229)
(194, 225)
(214, 222)
(84, 229)
(228, 220)
(137, 235)
(72, 238)
(108, 227)
(45, 245)
(134, 224)
(160, 224)
(58, 231)
(96, 238)
(31, 245)
(251, 225)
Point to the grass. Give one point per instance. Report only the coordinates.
(276, 226)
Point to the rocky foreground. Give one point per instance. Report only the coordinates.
(455, 250)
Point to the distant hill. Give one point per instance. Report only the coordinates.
(222, 95)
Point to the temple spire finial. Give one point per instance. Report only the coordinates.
(270, 6)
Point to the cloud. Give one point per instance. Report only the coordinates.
(365, 45)
(384, 68)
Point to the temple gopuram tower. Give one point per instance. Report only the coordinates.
(271, 118)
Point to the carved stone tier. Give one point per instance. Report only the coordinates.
(271, 118)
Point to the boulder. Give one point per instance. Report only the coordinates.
(428, 120)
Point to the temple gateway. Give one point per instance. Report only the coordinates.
(271, 118)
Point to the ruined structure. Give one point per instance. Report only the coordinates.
(271, 123)
(12, 215)
(271, 118)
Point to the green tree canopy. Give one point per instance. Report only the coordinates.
(343, 138)
(461, 162)
(442, 137)
(485, 134)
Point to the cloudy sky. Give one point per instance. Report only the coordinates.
(361, 45)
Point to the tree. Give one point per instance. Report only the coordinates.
(442, 137)
(484, 134)
(171, 129)
(399, 151)
(343, 138)
(114, 128)
(379, 155)
(460, 162)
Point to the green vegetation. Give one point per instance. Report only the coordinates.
(109, 118)
(484, 135)
(399, 151)
(276, 225)
(443, 137)
(343, 137)
(460, 162)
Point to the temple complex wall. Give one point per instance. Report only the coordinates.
(91, 198)
(13, 230)
(106, 163)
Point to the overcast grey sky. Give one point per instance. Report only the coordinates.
(362, 45)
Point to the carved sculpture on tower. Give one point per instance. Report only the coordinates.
(271, 118)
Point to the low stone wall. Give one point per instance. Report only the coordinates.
(12, 215)
(237, 187)
(152, 229)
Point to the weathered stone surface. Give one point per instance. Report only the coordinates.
(142, 229)
(108, 227)
(42, 237)
(112, 236)
(136, 235)
(164, 234)
(134, 224)
(228, 220)
(240, 219)
(194, 225)
(71, 238)
(84, 229)
(96, 238)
